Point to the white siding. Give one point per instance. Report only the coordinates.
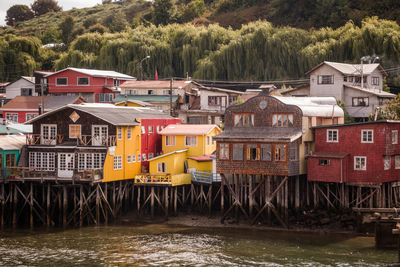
(14, 89)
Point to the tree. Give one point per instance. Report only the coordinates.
(164, 12)
(66, 27)
(18, 13)
(193, 10)
(41, 7)
(390, 111)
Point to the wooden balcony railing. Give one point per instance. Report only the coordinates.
(205, 177)
(38, 139)
(152, 179)
(89, 140)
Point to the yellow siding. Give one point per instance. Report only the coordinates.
(129, 104)
(200, 165)
(174, 163)
(124, 148)
(180, 179)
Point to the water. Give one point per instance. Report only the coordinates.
(166, 245)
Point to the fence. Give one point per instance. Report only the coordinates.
(205, 177)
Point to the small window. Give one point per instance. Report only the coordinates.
(375, 81)
(325, 79)
(324, 162)
(143, 130)
(282, 120)
(244, 120)
(280, 152)
(395, 137)
(138, 158)
(117, 162)
(105, 97)
(11, 160)
(133, 158)
(144, 157)
(30, 116)
(26, 91)
(223, 151)
(74, 131)
(266, 152)
(190, 140)
(386, 162)
(332, 135)
(397, 162)
(162, 167)
(237, 151)
(12, 117)
(150, 92)
(253, 152)
(61, 81)
(307, 148)
(360, 101)
(129, 158)
(83, 81)
(158, 129)
(129, 133)
(116, 82)
(360, 163)
(119, 130)
(208, 140)
(170, 140)
(150, 129)
(166, 92)
(151, 155)
(367, 136)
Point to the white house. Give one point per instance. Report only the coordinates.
(25, 86)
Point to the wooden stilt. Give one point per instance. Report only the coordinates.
(97, 204)
(81, 205)
(166, 201)
(138, 199)
(65, 205)
(152, 202)
(297, 193)
(106, 199)
(48, 204)
(3, 205)
(222, 194)
(175, 201)
(14, 220)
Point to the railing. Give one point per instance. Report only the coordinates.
(37, 139)
(89, 140)
(205, 177)
(153, 179)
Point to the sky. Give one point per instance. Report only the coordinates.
(65, 4)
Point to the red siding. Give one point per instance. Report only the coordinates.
(21, 114)
(350, 142)
(334, 172)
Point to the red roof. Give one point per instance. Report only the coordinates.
(331, 155)
(201, 158)
(155, 84)
(188, 129)
(24, 103)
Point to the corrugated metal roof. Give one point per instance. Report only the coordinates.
(314, 106)
(167, 154)
(328, 155)
(24, 103)
(21, 128)
(97, 73)
(259, 134)
(158, 84)
(29, 79)
(188, 129)
(147, 98)
(12, 142)
(203, 158)
(138, 102)
(357, 123)
(59, 101)
(371, 91)
(351, 69)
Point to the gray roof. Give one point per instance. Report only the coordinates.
(12, 142)
(98, 73)
(59, 101)
(29, 79)
(314, 106)
(351, 69)
(380, 93)
(259, 134)
(119, 116)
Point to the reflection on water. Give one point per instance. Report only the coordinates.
(161, 244)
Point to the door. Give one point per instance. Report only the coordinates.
(49, 134)
(66, 164)
(99, 135)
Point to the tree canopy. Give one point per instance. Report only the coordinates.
(41, 7)
(18, 13)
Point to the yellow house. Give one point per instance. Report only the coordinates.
(196, 138)
(133, 103)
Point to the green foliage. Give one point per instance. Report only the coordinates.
(67, 27)
(391, 110)
(98, 28)
(40, 7)
(18, 13)
(115, 22)
(347, 118)
(90, 21)
(51, 35)
(193, 10)
(164, 12)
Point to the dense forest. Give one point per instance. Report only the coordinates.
(257, 51)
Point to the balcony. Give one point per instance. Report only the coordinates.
(89, 140)
(39, 139)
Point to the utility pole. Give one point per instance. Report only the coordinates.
(170, 96)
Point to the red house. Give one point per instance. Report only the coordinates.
(92, 85)
(358, 153)
(151, 139)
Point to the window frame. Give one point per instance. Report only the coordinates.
(355, 163)
(235, 156)
(375, 80)
(78, 84)
(367, 131)
(387, 163)
(119, 132)
(12, 114)
(324, 162)
(397, 162)
(328, 140)
(117, 163)
(72, 126)
(30, 114)
(280, 148)
(358, 98)
(321, 79)
(249, 122)
(395, 133)
(283, 123)
(191, 137)
(129, 133)
(167, 137)
(58, 84)
(163, 168)
(223, 149)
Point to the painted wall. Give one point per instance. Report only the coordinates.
(335, 172)
(21, 114)
(14, 89)
(200, 165)
(335, 89)
(174, 164)
(358, 112)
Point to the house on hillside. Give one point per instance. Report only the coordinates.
(98, 86)
(25, 86)
(3, 87)
(356, 153)
(42, 81)
(24, 108)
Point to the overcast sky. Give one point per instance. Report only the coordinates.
(65, 4)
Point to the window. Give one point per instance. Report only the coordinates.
(223, 151)
(10, 160)
(280, 152)
(216, 100)
(151, 129)
(161, 167)
(170, 140)
(233, 100)
(166, 92)
(375, 80)
(332, 135)
(360, 163)
(244, 120)
(74, 131)
(266, 152)
(208, 140)
(106, 97)
(282, 120)
(190, 140)
(49, 134)
(360, 101)
(395, 137)
(144, 157)
(253, 152)
(129, 158)
(116, 82)
(133, 158)
(42, 161)
(307, 148)
(61, 81)
(151, 155)
(83, 81)
(325, 79)
(397, 162)
(26, 91)
(324, 162)
(150, 92)
(129, 133)
(293, 152)
(158, 129)
(237, 151)
(131, 92)
(138, 158)
(367, 136)
(386, 162)
(117, 162)
(30, 116)
(90, 161)
(119, 132)
(12, 117)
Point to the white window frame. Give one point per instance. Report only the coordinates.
(61, 84)
(133, 158)
(355, 163)
(30, 114)
(143, 130)
(117, 162)
(13, 115)
(129, 159)
(77, 81)
(172, 140)
(42, 161)
(397, 162)
(161, 167)
(144, 157)
(119, 132)
(332, 139)
(375, 80)
(151, 155)
(190, 144)
(395, 137)
(367, 131)
(90, 161)
(69, 131)
(138, 157)
(129, 133)
(150, 129)
(387, 162)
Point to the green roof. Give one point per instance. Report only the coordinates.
(147, 98)
(356, 123)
